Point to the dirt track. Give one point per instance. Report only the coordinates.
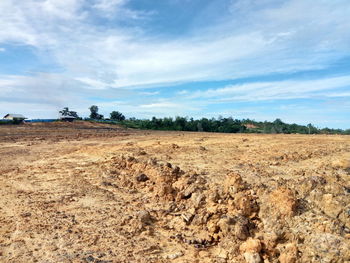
(96, 193)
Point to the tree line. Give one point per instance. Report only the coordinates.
(220, 124)
(228, 125)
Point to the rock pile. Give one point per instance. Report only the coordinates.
(236, 221)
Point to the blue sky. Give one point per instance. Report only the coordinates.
(258, 59)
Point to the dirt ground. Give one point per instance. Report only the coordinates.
(82, 192)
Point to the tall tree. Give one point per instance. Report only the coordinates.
(117, 116)
(94, 113)
(67, 112)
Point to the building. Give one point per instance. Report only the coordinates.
(15, 117)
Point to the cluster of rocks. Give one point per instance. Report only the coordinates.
(235, 220)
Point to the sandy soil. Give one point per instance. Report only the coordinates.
(98, 193)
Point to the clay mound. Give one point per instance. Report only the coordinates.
(233, 220)
(196, 212)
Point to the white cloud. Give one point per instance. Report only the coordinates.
(116, 9)
(107, 5)
(266, 40)
(2, 49)
(149, 93)
(259, 37)
(161, 105)
(260, 91)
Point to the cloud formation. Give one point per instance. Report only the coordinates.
(114, 46)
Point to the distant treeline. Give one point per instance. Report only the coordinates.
(227, 125)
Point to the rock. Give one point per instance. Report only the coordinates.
(202, 148)
(241, 231)
(331, 206)
(347, 190)
(252, 257)
(27, 214)
(142, 152)
(144, 217)
(152, 161)
(200, 219)
(290, 254)
(328, 247)
(341, 163)
(89, 259)
(212, 227)
(130, 158)
(284, 201)
(317, 180)
(142, 178)
(174, 255)
(175, 146)
(214, 196)
(251, 245)
(234, 184)
(222, 253)
(225, 226)
(188, 191)
(177, 170)
(311, 183)
(188, 216)
(197, 199)
(270, 241)
(244, 203)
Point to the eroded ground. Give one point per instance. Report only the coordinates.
(96, 193)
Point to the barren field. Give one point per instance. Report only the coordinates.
(82, 192)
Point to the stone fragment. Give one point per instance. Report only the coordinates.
(245, 203)
(331, 206)
(251, 245)
(284, 201)
(142, 178)
(202, 148)
(188, 191)
(252, 257)
(188, 216)
(142, 152)
(144, 217)
(290, 254)
(214, 195)
(197, 199)
(174, 255)
(234, 184)
(341, 163)
(212, 227)
(270, 241)
(241, 231)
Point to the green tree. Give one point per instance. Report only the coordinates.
(67, 112)
(94, 113)
(117, 116)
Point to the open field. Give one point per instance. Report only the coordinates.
(81, 192)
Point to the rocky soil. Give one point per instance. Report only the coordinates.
(106, 195)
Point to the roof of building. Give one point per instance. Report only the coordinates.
(19, 116)
(67, 117)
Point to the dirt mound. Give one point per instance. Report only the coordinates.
(246, 221)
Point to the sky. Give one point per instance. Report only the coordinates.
(257, 59)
